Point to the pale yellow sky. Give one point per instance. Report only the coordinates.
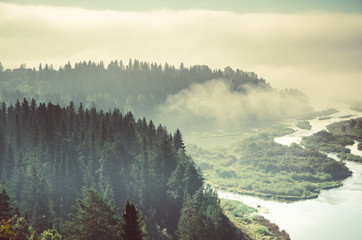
(318, 52)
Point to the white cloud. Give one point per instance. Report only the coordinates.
(313, 48)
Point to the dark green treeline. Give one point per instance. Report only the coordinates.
(50, 154)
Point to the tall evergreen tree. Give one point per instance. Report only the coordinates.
(178, 142)
(95, 218)
(132, 223)
(190, 223)
(35, 198)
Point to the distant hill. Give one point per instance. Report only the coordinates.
(159, 92)
(137, 85)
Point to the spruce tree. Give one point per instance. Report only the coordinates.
(132, 224)
(190, 224)
(178, 142)
(95, 218)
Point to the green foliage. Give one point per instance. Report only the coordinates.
(95, 218)
(237, 208)
(226, 173)
(21, 230)
(53, 153)
(50, 234)
(304, 125)
(202, 218)
(275, 130)
(352, 128)
(350, 157)
(327, 142)
(24, 231)
(178, 141)
(339, 135)
(253, 225)
(262, 230)
(264, 168)
(6, 231)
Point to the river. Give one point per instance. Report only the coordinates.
(336, 214)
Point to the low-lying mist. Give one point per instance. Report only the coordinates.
(319, 53)
(213, 105)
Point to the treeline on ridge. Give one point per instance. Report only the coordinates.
(50, 154)
(137, 86)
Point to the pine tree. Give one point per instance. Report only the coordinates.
(178, 141)
(175, 194)
(192, 178)
(35, 198)
(190, 223)
(95, 219)
(9, 163)
(132, 223)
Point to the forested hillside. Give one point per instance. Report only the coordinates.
(137, 86)
(50, 155)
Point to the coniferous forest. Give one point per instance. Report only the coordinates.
(74, 170)
(180, 120)
(138, 85)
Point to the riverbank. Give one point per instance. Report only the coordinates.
(281, 198)
(315, 219)
(312, 219)
(338, 136)
(258, 166)
(252, 224)
(322, 217)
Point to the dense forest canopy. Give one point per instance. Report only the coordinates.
(50, 154)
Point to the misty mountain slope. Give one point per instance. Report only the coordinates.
(231, 98)
(49, 154)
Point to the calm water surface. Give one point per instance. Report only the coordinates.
(336, 214)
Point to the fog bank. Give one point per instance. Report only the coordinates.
(213, 105)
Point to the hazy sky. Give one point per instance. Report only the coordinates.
(230, 5)
(312, 45)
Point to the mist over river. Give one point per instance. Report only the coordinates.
(336, 214)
